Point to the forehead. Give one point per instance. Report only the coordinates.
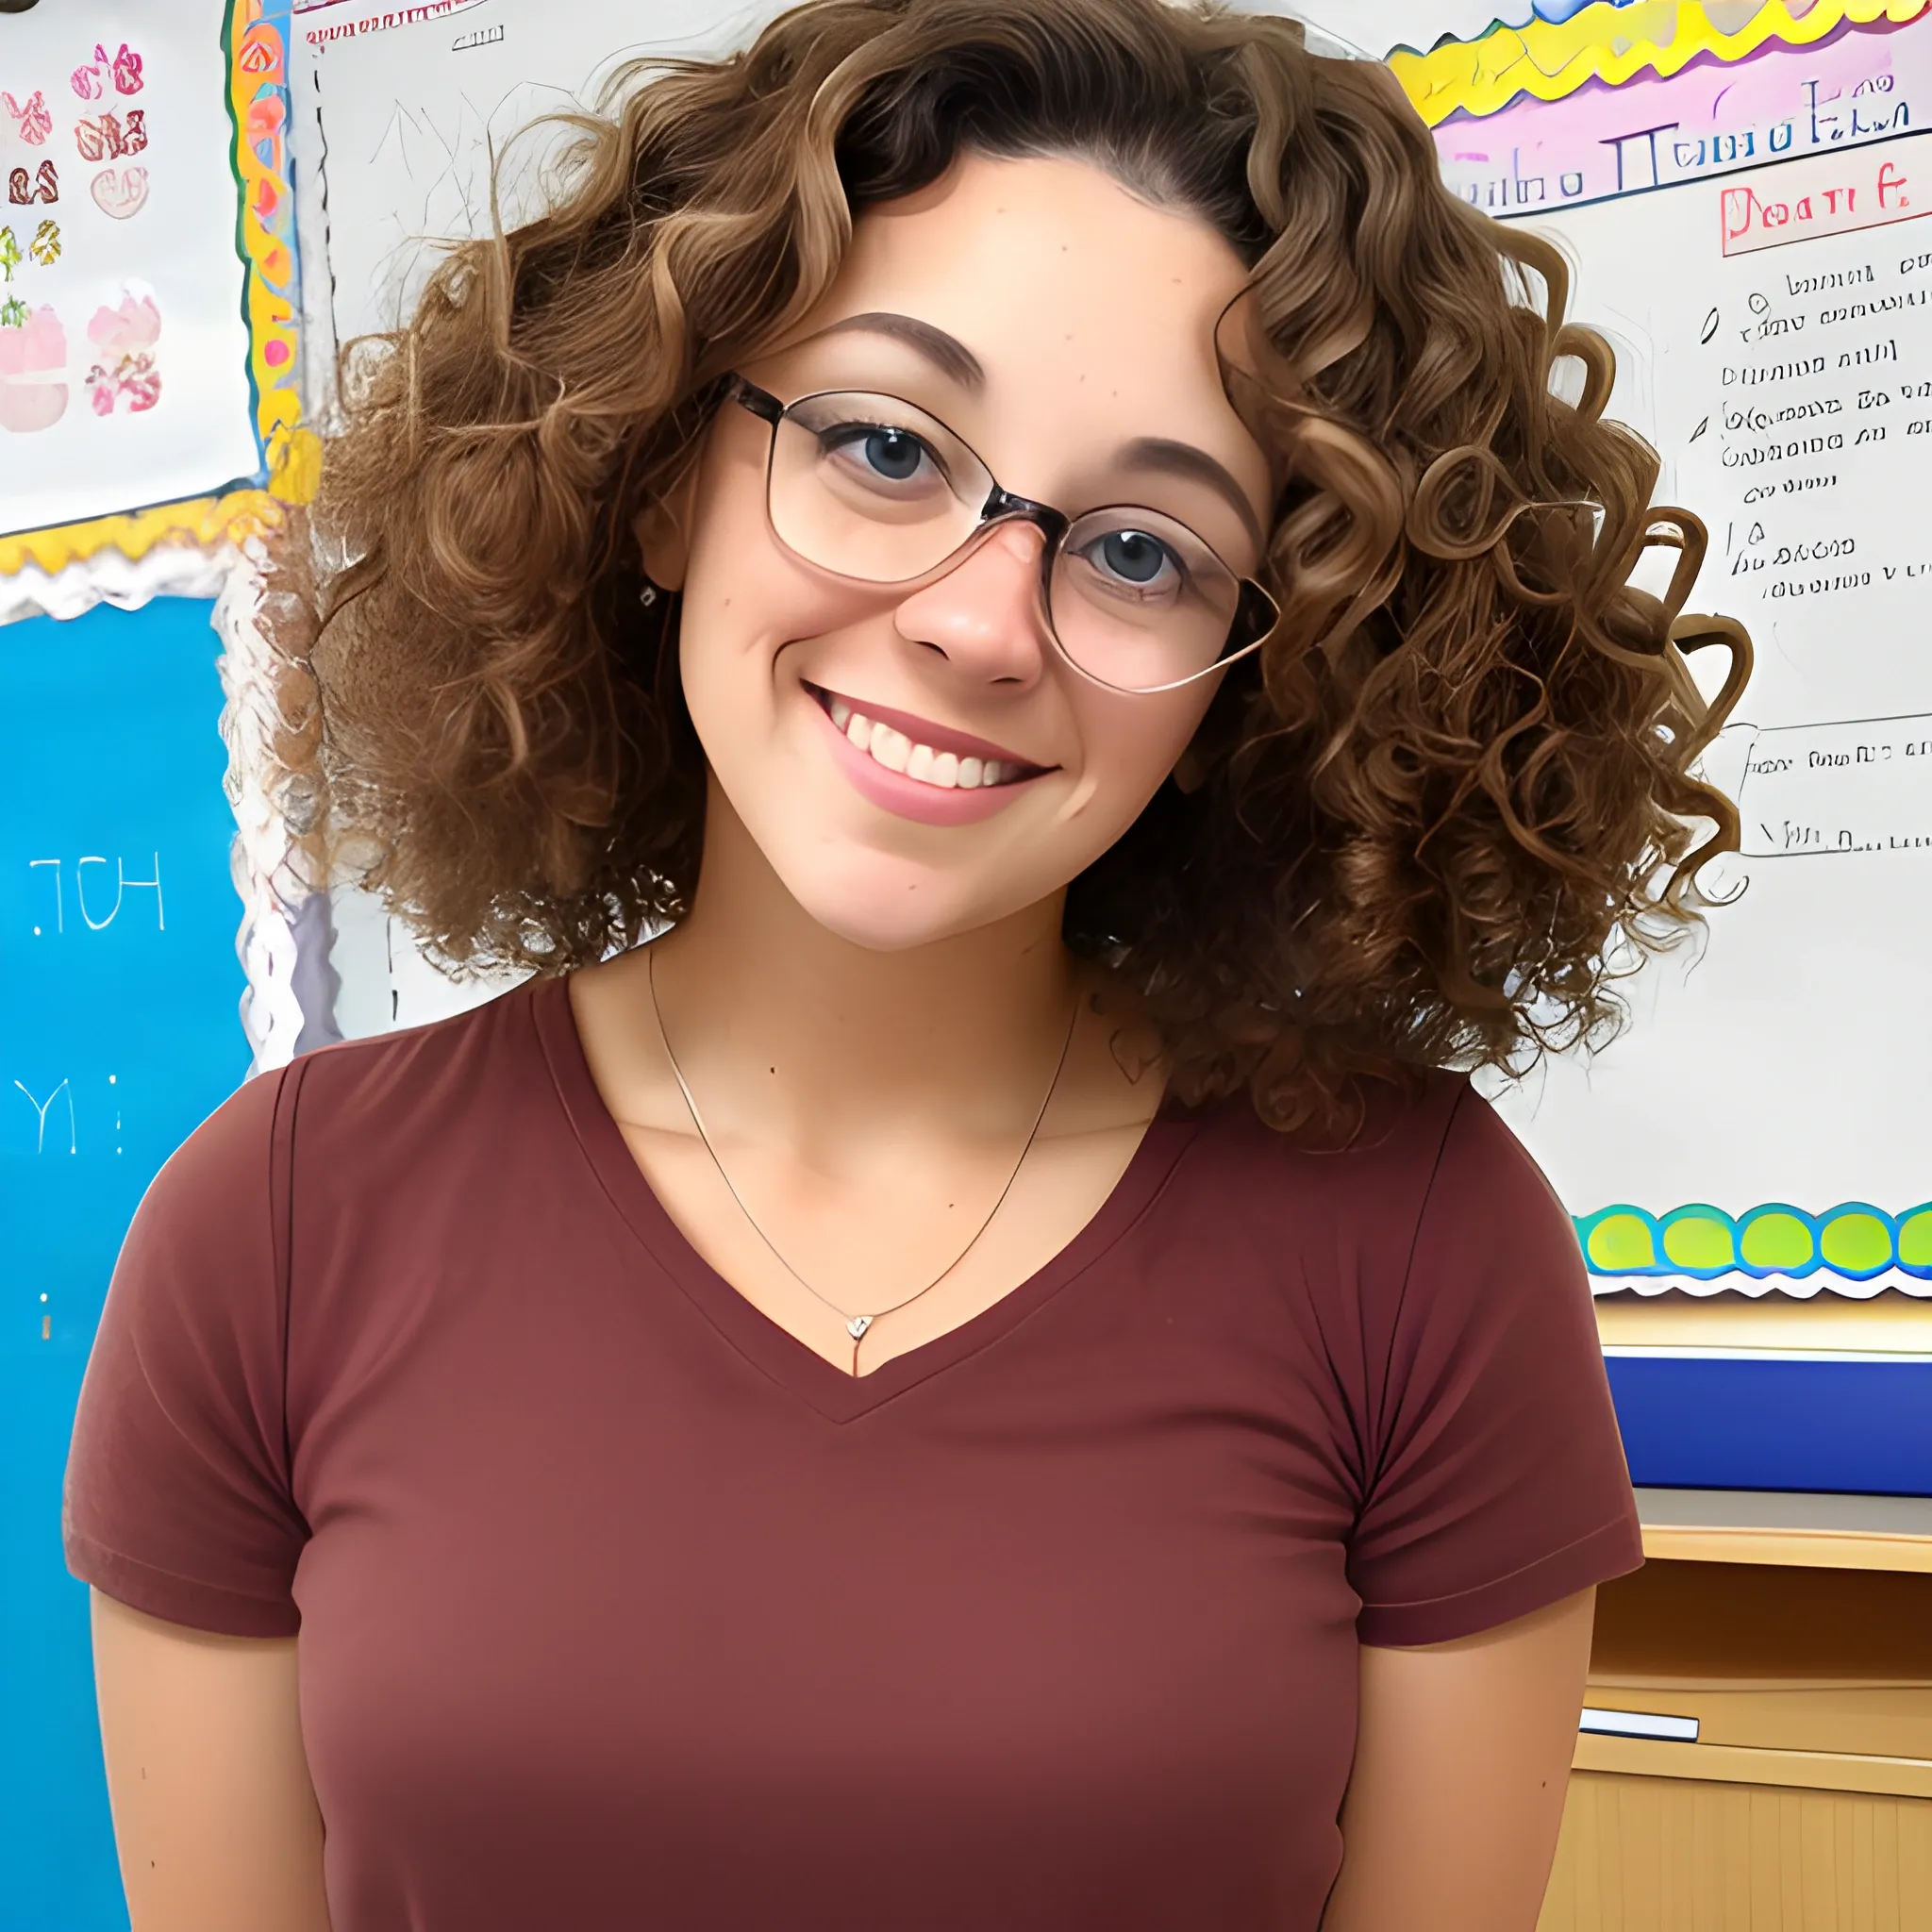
(1053, 220)
(1077, 299)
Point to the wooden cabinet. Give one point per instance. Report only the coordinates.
(1805, 1803)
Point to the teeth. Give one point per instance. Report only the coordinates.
(897, 752)
(890, 748)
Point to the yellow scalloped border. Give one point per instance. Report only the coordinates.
(1548, 59)
(206, 522)
(257, 40)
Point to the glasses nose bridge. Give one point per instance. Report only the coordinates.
(1004, 507)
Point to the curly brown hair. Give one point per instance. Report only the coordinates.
(1420, 828)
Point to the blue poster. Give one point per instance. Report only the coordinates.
(118, 1032)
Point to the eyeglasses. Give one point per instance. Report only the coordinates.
(872, 488)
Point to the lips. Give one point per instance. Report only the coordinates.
(928, 753)
(916, 769)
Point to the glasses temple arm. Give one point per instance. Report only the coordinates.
(761, 403)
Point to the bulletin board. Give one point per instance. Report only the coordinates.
(151, 423)
(1740, 187)
(1742, 190)
(119, 987)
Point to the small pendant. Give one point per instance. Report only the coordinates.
(857, 1325)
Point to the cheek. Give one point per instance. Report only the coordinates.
(1133, 744)
(744, 600)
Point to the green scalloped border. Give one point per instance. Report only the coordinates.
(1854, 1241)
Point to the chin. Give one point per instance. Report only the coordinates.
(893, 907)
(887, 925)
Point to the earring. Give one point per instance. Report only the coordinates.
(648, 595)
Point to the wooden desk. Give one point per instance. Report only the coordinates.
(1806, 1804)
(1797, 1631)
(1804, 1531)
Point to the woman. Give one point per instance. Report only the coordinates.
(981, 1379)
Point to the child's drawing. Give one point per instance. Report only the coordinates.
(90, 82)
(102, 138)
(124, 374)
(33, 370)
(13, 311)
(23, 190)
(31, 120)
(120, 192)
(45, 246)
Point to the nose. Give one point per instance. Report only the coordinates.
(984, 616)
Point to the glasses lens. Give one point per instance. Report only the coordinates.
(869, 487)
(1138, 601)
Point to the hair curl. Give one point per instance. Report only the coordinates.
(1420, 827)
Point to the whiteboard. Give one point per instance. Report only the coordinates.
(415, 101)
(411, 116)
(123, 351)
(1749, 234)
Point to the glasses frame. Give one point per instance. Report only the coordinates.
(1256, 613)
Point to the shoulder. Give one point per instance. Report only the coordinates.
(1431, 1200)
(426, 1066)
(354, 1108)
(1386, 1171)
(367, 1106)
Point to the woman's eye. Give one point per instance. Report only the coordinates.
(895, 454)
(877, 450)
(1135, 559)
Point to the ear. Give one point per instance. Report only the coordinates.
(663, 532)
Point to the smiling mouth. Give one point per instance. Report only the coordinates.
(939, 764)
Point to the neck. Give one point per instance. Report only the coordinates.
(779, 1021)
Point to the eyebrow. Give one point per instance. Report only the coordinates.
(948, 353)
(1160, 453)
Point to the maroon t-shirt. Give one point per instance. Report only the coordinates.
(621, 1607)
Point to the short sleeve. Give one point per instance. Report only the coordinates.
(177, 1498)
(1498, 1484)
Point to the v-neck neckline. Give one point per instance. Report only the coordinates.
(841, 1397)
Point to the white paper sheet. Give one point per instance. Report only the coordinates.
(412, 116)
(1773, 325)
(417, 95)
(123, 355)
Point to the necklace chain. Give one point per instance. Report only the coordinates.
(856, 1326)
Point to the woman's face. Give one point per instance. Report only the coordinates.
(1064, 330)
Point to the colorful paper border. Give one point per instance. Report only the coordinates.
(1612, 43)
(1853, 1240)
(256, 37)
